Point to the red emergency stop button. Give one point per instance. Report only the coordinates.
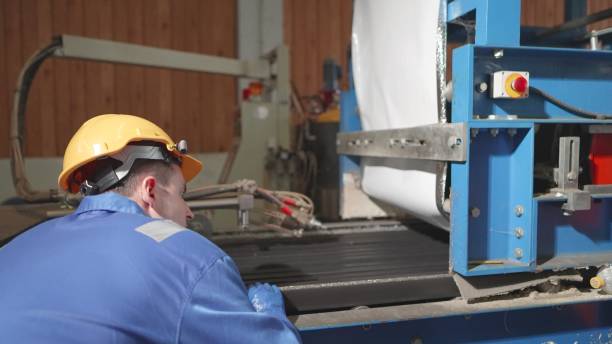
(510, 84)
(520, 84)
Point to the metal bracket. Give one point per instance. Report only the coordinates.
(243, 202)
(605, 189)
(441, 142)
(566, 176)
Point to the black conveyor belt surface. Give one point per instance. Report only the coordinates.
(331, 271)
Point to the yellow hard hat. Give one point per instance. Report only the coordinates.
(105, 135)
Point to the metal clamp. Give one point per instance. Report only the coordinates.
(566, 176)
(243, 203)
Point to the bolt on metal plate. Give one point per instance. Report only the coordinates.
(474, 212)
(518, 253)
(519, 210)
(519, 232)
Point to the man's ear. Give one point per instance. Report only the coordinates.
(149, 190)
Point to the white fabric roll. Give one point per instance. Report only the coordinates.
(394, 58)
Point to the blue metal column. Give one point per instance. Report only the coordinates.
(480, 222)
(498, 22)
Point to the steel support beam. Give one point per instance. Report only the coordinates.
(115, 52)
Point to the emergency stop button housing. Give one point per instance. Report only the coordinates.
(509, 84)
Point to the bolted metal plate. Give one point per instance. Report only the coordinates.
(442, 142)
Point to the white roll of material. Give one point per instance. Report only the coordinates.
(395, 53)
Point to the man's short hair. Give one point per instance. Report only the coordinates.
(159, 169)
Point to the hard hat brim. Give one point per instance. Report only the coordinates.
(190, 167)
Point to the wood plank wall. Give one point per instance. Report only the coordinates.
(543, 13)
(189, 105)
(65, 93)
(551, 12)
(316, 29)
(594, 6)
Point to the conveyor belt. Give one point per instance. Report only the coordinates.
(323, 271)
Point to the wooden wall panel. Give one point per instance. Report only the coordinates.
(316, 30)
(550, 13)
(79, 109)
(207, 87)
(594, 6)
(158, 85)
(62, 92)
(542, 13)
(135, 32)
(12, 55)
(219, 86)
(46, 80)
(192, 83)
(29, 44)
(179, 78)
(195, 106)
(122, 75)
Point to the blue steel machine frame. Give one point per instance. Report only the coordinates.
(496, 176)
(514, 230)
(589, 322)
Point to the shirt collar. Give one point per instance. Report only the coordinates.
(109, 201)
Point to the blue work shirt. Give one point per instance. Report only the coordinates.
(110, 274)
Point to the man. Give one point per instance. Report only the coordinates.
(123, 268)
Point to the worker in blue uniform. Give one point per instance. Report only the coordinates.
(122, 268)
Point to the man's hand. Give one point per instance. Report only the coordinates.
(267, 298)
